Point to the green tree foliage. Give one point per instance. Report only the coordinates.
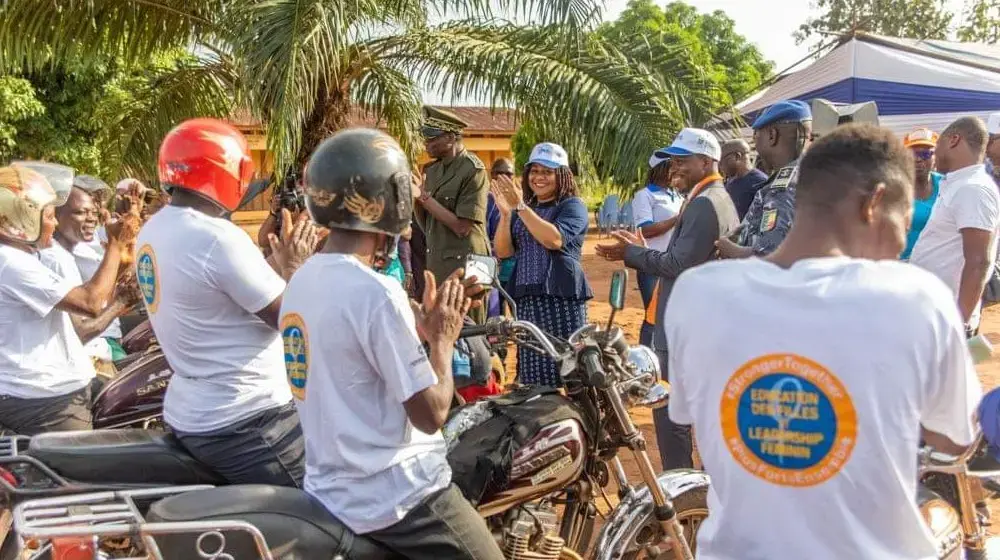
(982, 22)
(18, 104)
(299, 66)
(734, 64)
(917, 19)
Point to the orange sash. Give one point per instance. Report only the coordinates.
(653, 301)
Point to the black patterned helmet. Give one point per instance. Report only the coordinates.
(359, 179)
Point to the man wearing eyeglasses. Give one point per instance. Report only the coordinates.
(921, 143)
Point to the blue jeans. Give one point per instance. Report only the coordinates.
(647, 283)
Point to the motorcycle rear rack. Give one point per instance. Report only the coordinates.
(97, 516)
(33, 478)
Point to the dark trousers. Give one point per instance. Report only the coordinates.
(647, 283)
(673, 440)
(64, 413)
(445, 525)
(267, 448)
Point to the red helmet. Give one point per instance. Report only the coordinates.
(208, 157)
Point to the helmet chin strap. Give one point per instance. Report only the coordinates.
(385, 248)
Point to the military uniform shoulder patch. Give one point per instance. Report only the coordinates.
(768, 220)
(784, 177)
(474, 159)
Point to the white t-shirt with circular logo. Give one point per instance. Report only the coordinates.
(807, 388)
(40, 353)
(202, 280)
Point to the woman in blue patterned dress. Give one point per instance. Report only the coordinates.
(544, 226)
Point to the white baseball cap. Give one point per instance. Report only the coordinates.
(695, 141)
(993, 124)
(550, 155)
(658, 157)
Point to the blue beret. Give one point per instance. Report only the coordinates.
(784, 111)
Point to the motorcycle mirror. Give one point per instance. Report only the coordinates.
(617, 295)
(59, 176)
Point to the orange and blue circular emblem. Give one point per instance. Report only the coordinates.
(146, 276)
(788, 420)
(296, 342)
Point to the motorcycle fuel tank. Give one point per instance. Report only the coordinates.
(547, 462)
(135, 395)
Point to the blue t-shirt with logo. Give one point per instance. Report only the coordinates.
(921, 213)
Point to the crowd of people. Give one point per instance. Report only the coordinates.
(809, 309)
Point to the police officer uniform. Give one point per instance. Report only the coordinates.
(773, 208)
(460, 184)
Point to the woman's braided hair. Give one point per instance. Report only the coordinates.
(659, 175)
(565, 185)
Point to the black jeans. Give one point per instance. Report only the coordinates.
(267, 448)
(445, 525)
(63, 413)
(673, 440)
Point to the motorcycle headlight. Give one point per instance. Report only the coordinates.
(645, 388)
(644, 361)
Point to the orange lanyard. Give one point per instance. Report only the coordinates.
(696, 190)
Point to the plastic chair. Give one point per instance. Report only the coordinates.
(625, 216)
(609, 213)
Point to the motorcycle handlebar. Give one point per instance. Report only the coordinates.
(475, 330)
(502, 326)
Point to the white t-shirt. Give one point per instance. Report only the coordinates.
(61, 261)
(40, 353)
(353, 361)
(968, 198)
(88, 258)
(806, 389)
(202, 281)
(655, 206)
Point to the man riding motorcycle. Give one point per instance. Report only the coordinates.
(213, 303)
(46, 377)
(809, 422)
(372, 399)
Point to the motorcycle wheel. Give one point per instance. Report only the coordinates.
(692, 510)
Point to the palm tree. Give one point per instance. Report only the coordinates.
(301, 65)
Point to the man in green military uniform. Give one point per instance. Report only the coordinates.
(451, 205)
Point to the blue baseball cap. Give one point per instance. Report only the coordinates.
(791, 111)
(550, 155)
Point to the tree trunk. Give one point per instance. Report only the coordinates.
(331, 113)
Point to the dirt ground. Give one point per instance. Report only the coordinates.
(599, 274)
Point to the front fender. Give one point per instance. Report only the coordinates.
(636, 507)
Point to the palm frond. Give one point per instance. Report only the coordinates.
(570, 14)
(579, 88)
(393, 100)
(34, 33)
(158, 102)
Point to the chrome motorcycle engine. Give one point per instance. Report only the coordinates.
(531, 533)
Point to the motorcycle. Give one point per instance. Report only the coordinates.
(563, 465)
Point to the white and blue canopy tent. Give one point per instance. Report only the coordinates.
(915, 83)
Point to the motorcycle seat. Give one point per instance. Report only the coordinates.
(295, 525)
(145, 457)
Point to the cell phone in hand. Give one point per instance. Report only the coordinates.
(482, 267)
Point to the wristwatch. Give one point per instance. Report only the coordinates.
(520, 206)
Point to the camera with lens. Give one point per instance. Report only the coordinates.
(289, 194)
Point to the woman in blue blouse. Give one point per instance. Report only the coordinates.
(544, 226)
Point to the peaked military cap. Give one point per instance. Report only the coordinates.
(439, 121)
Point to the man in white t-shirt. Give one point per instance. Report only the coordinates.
(213, 303)
(654, 212)
(46, 377)
(372, 399)
(809, 423)
(958, 244)
(77, 221)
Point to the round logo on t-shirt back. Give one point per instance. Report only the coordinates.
(788, 420)
(293, 333)
(145, 274)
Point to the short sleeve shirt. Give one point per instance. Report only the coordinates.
(810, 424)
(203, 281)
(352, 363)
(40, 354)
(461, 185)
